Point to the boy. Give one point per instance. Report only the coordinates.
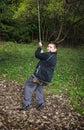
(41, 77)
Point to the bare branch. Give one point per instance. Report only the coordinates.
(51, 35)
(59, 41)
(60, 31)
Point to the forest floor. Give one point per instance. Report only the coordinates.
(57, 114)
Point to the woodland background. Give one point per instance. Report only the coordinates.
(61, 20)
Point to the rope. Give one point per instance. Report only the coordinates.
(39, 21)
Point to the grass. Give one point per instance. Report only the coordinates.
(17, 62)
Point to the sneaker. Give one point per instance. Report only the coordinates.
(40, 106)
(24, 108)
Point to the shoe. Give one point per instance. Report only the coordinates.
(24, 108)
(40, 106)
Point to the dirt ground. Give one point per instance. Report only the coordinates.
(57, 114)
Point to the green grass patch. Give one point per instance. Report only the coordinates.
(17, 62)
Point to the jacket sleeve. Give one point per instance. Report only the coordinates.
(41, 56)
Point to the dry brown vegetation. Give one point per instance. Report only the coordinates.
(58, 114)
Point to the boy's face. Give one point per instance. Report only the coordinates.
(51, 48)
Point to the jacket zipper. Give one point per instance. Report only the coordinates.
(38, 69)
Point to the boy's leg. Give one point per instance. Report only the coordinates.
(39, 94)
(29, 88)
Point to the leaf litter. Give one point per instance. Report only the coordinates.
(57, 114)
